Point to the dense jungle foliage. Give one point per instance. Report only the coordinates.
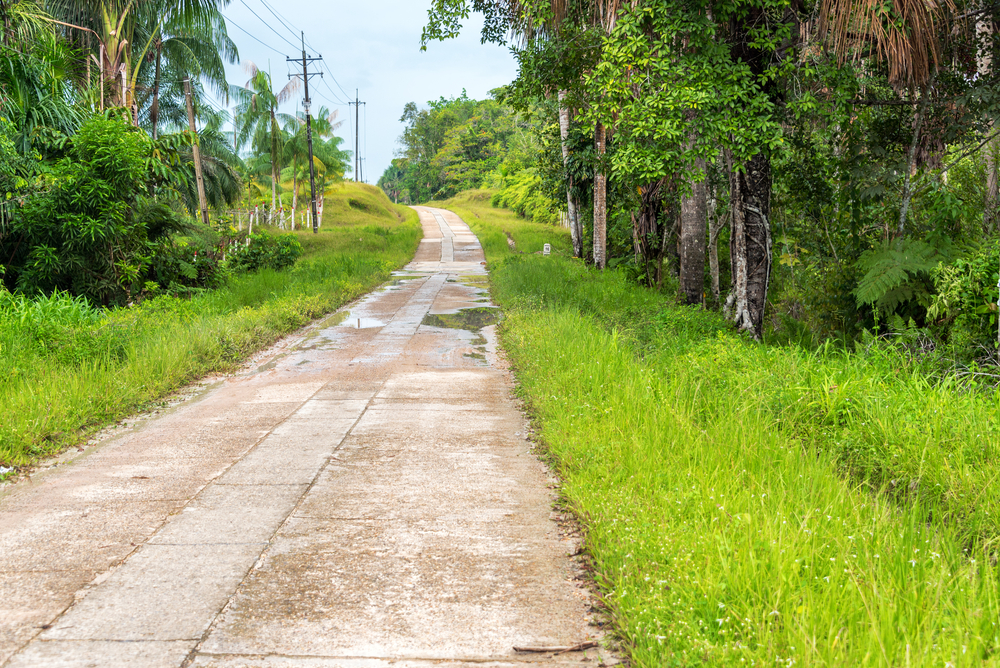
(813, 170)
(462, 144)
(98, 178)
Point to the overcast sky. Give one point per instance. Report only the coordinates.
(372, 46)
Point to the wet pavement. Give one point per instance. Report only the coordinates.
(363, 496)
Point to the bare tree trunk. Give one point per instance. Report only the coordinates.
(600, 204)
(86, 37)
(992, 203)
(154, 108)
(572, 209)
(718, 222)
(750, 244)
(295, 194)
(912, 157)
(693, 223)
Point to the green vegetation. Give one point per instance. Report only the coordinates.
(463, 144)
(815, 169)
(497, 227)
(67, 368)
(752, 505)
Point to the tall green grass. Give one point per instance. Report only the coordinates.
(751, 505)
(495, 226)
(67, 368)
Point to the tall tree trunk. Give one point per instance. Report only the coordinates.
(572, 209)
(274, 185)
(750, 243)
(275, 170)
(718, 222)
(750, 195)
(991, 207)
(295, 193)
(693, 224)
(600, 203)
(645, 229)
(154, 108)
(911, 161)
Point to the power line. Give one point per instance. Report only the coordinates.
(251, 36)
(346, 94)
(333, 92)
(365, 144)
(281, 19)
(285, 22)
(269, 26)
(331, 102)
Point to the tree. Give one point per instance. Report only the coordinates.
(86, 232)
(256, 118)
(296, 150)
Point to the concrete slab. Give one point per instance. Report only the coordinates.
(102, 654)
(163, 592)
(231, 514)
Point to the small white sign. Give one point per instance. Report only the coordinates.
(546, 249)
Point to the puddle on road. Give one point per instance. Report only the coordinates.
(471, 319)
(363, 323)
(315, 338)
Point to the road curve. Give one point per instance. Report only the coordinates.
(364, 496)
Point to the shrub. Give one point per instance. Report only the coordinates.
(265, 251)
(965, 306)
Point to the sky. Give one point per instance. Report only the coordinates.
(372, 47)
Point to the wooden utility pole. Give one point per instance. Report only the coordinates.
(309, 139)
(197, 153)
(357, 135)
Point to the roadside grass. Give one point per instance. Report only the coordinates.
(67, 369)
(492, 225)
(758, 505)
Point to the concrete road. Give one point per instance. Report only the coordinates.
(363, 496)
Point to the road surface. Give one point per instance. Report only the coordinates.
(363, 496)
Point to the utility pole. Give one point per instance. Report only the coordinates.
(357, 137)
(309, 137)
(197, 152)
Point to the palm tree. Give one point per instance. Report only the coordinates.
(35, 91)
(256, 118)
(123, 32)
(199, 48)
(296, 150)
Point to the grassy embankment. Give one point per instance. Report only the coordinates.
(754, 505)
(66, 369)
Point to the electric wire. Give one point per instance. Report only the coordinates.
(281, 19)
(364, 144)
(336, 97)
(251, 36)
(288, 24)
(333, 92)
(269, 26)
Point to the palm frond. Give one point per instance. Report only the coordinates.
(902, 33)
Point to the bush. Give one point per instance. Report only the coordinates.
(264, 251)
(964, 307)
(81, 232)
(523, 194)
